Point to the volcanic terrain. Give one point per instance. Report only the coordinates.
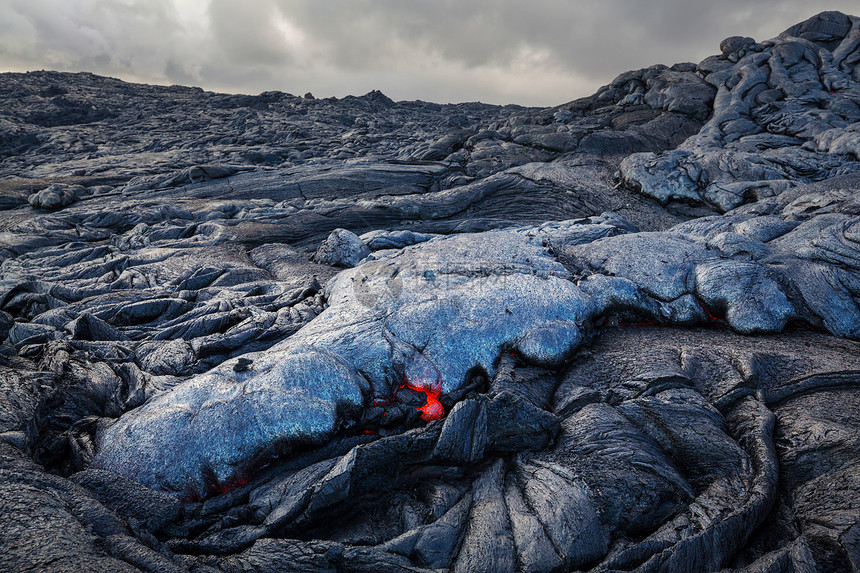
(281, 333)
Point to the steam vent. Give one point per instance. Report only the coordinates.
(280, 333)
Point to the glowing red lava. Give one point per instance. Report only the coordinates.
(433, 409)
(711, 316)
(707, 311)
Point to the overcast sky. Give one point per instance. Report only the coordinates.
(534, 52)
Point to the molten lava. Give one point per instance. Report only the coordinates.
(433, 409)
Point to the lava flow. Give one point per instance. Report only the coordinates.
(433, 409)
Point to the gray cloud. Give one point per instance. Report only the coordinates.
(540, 52)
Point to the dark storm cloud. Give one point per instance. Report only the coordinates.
(536, 52)
(585, 36)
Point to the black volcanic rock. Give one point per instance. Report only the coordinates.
(283, 333)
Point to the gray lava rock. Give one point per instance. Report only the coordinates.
(784, 113)
(342, 248)
(56, 197)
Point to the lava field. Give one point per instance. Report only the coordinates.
(280, 333)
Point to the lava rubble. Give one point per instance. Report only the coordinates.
(278, 333)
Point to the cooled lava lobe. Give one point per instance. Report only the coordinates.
(275, 333)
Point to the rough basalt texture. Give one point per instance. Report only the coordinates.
(785, 112)
(275, 333)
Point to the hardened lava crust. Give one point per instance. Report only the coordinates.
(280, 333)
